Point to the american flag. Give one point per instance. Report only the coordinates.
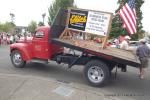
(128, 16)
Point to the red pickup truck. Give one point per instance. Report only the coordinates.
(46, 45)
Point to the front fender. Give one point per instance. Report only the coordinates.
(24, 49)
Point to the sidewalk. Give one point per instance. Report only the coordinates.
(16, 87)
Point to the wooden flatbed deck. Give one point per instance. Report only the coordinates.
(117, 55)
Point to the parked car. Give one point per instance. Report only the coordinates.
(135, 44)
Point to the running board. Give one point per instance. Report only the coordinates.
(40, 61)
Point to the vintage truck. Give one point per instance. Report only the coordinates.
(46, 46)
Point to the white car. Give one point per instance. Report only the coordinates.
(135, 44)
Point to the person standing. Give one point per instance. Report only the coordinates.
(143, 52)
(124, 45)
(11, 39)
(116, 41)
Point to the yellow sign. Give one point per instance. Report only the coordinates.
(78, 19)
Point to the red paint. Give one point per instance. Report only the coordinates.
(37, 47)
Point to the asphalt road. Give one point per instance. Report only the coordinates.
(127, 86)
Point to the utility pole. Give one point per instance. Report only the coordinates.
(43, 16)
(12, 17)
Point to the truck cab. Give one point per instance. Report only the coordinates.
(37, 48)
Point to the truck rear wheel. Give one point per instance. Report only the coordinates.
(96, 73)
(16, 59)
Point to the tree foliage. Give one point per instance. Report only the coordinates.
(117, 28)
(54, 7)
(40, 24)
(7, 27)
(32, 26)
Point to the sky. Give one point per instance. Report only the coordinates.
(27, 10)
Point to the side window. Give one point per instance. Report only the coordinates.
(39, 34)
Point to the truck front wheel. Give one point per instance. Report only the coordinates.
(16, 59)
(96, 73)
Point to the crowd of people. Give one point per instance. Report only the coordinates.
(6, 38)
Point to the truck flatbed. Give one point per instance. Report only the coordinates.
(111, 53)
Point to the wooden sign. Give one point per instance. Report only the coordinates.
(88, 21)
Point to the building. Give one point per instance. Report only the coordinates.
(20, 29)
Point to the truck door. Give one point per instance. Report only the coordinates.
(40, 45)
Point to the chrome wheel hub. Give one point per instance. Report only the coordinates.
(17, 59)
(95, 74)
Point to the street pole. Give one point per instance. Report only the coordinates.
(43, 16)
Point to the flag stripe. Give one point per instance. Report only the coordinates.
(128, 16)
(127, 19)
(133, 16)
(126, 22)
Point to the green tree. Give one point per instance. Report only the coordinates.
(54, 7)
(7, 27)
(1, 27)
(117, 28)
(32, 26)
